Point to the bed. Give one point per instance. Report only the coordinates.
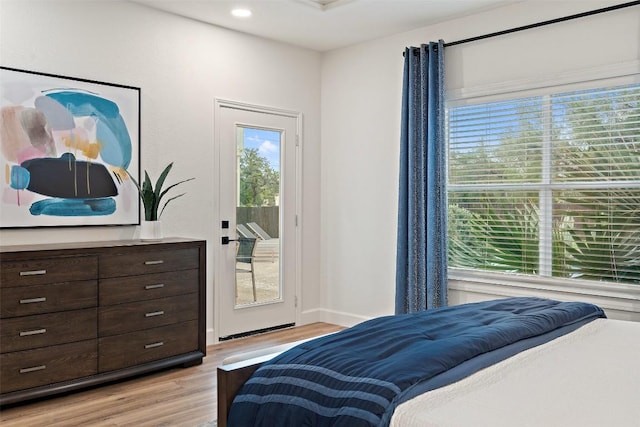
(515, 361)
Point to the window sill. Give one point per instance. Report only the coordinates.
(618, 300)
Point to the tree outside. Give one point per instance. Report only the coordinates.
(259, 182)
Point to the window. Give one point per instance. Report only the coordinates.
(547, 185)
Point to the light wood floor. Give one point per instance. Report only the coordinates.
(175, 397)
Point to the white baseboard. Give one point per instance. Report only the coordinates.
(331, 316)
(310, 316)
(211, 337)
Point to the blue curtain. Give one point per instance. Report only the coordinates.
(421, 263)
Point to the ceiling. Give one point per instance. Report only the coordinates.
(324, 24)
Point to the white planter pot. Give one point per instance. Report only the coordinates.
(151, 230)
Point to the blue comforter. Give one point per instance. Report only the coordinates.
(358, 376)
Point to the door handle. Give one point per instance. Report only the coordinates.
(226, 240)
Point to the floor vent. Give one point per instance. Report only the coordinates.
(256, 332)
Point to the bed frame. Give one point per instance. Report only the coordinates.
(230, 379)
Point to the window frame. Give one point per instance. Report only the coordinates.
(619, 296)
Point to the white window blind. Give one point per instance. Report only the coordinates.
(547, 185)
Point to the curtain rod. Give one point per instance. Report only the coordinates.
(543, 23)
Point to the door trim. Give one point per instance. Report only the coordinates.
(219, 104)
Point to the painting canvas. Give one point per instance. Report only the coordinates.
(68, 149)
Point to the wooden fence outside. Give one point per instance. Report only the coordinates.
(266, 217)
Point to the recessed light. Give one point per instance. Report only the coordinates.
(241, 12)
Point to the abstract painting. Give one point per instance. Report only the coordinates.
(68, 149)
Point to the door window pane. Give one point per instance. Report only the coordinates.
(258, 216)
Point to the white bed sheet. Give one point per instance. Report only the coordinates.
(590, 377)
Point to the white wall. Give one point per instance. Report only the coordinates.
(349, 186)
(361, 95)
(181, 66)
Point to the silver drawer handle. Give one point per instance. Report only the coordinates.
(154, 262)
(155, 344)
(154, 313)
(33, 369)
(158, 286)
(34, 332)
(32, 300)
(33, 273)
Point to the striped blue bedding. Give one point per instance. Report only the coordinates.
(357, 377)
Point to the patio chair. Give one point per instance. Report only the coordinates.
(243, 231)
(268, 247)
(245, 254)
(257, 230)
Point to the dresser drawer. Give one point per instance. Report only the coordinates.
(135, 316)
(23, 333)
(42, 366)
(135, 348)
(51, 298)
(48, 270)
(150, 286)
(145, 262)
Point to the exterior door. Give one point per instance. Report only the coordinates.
(257, 251)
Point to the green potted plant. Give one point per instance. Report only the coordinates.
(151, 228)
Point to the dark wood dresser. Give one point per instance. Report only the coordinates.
(74, 315)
